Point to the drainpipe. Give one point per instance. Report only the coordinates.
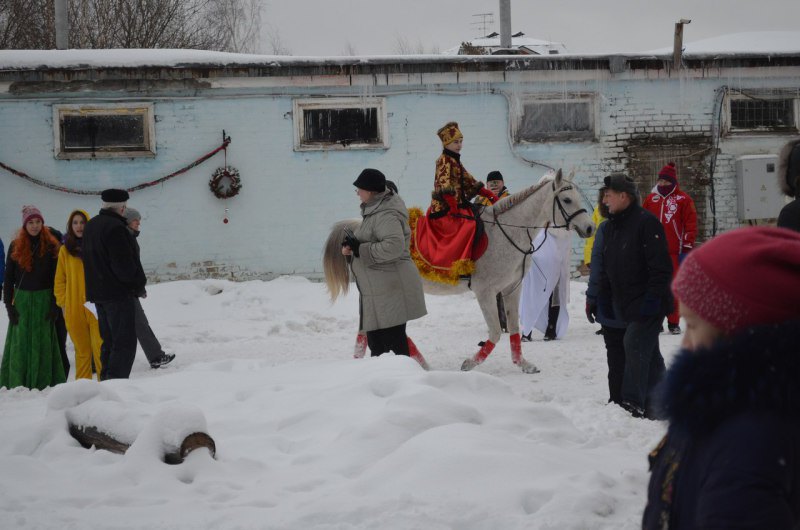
(505, 24)
(62, 25)
(677, 49)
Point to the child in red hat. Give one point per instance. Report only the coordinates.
(731, 456)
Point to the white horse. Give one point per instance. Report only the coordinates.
(511, 225)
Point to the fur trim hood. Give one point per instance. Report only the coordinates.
(756, 370)
(788, 188)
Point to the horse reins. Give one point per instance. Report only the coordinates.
(567, 219)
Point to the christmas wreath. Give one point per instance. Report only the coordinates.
(225, 182)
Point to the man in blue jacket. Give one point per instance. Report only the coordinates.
(634, 286)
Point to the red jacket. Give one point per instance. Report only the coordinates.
(677, 213)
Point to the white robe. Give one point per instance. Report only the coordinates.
(549, 269)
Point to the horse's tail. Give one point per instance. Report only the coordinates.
(334, 264)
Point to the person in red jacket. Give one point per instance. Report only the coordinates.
(676, 211)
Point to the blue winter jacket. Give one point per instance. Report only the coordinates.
(605, 313)
(731, 456)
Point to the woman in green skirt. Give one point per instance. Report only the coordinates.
(31, 357)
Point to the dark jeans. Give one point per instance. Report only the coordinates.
(615, 353)
(383, 340)
(147, 339)
(644, 365)
(117, 321)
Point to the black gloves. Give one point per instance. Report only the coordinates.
(351, 241)
(13, 316)
(591, 310)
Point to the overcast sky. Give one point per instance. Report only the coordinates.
(374, 27)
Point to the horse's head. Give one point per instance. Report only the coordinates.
(568, 208)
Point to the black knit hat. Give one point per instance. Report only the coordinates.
(114, 195)
(494, 175)
(620, 182)
(371, 180)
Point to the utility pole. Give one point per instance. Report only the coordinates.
(677, 46)
(505, 24)
(62, 25)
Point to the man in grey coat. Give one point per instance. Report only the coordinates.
(388, 281)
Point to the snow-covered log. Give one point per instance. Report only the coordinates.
(89, 436)
(96, 416)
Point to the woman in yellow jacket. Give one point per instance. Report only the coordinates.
(70, 291)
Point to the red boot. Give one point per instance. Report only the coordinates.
(414, 353)
(517, 358)
(479, 357)
(360, 349)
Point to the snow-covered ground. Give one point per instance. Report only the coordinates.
(309, 438)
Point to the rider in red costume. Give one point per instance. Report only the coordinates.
(445, 245)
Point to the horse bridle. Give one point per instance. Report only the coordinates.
(567, 219)
(557, 202)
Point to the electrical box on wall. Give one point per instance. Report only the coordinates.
(757, 187)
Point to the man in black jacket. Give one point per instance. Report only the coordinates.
(114, 275)
(636, 277)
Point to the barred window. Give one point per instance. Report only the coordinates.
(89, 131)
(340, 123)
(751, 114)
(556, 120)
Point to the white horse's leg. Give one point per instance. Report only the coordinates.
(512, 309)
(488, 302)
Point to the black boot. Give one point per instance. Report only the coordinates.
(552, 320)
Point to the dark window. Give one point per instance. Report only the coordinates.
(103, 132)
(343, 126)
(762, 114)
(556, 120)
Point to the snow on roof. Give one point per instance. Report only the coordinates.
(12, 59)
(758, 42)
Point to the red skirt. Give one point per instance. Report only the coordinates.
(444, 248)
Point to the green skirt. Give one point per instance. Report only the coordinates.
(31, 357)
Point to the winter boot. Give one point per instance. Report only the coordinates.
(674, 329)
(414, 353)
(479, 357)
(528, 337)
(517, 358)
(552, 320)
(360, 349)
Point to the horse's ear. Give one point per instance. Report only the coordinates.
(558, 178)
(571, 176)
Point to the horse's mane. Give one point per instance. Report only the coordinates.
(506, 203)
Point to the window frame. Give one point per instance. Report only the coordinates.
(737, 131)
(148, 147)
(562, 136)
(300, 105)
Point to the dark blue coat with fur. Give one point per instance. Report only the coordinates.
(731, 457)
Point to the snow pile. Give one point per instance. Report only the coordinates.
(308, 437)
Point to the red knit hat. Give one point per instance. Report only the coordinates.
(668, 173)
(743, 278)
(30, 212)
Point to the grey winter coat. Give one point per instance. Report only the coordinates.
(387, 279)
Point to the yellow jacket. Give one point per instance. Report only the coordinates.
(587, 248)
(70, 285)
